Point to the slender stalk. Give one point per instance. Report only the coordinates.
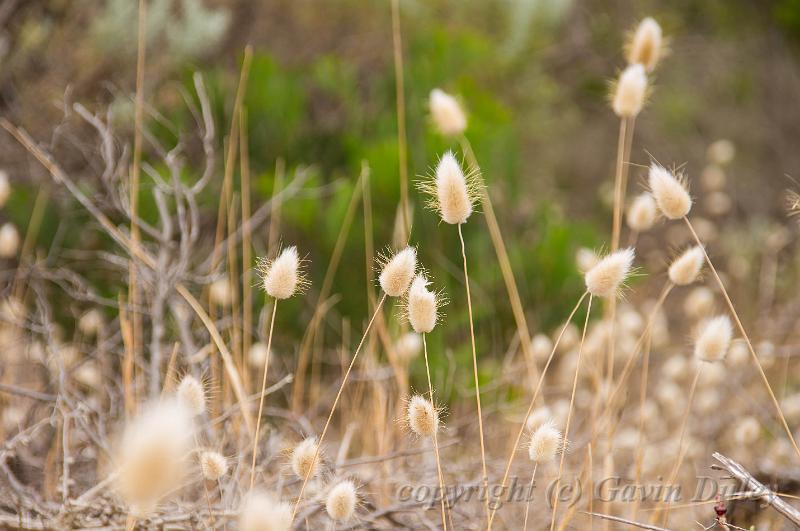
(528, 504)
(402, 150)
(335, 403)
(261, 396)
(681, 453)
(133, 287)
(569, 412)
(745, 336)
(475, 373)
(514, 448)
(642, 400)
(247, 248)
(505, 267)
(435, 433)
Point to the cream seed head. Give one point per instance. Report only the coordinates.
(422, 306)
(9, 241)
(747, 431)
(152, 454)
(302, 458)
(423, 418)
(607, 277)
(408, 346)
(453, 193)
(686, 268)
(642, 213)
(630, 92)
(262, 511)
(213, 465)
(283, 276)
(341, 501)
(541, 347)
(538, 417)
(721, 152)
(221, 293)
(398, 272)
(670, 192)
(546, 442)
(646, 44)
(192, 395)
(447, 114)
(714, 339)
(257, 355)
(699, 302)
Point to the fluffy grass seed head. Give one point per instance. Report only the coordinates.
(541, 346)
(9, 241)
(447, 114)
(213, 465)
(630, 92)
(221, 293)
(721, 152)
(153, 454)
(283, 276)
(686, 268)
(714, 339)
(642, 213)
(546, 442)
(302, 458)
(585, 259)
(646, 44)
(398, 271)
(669, 191)
(257, 355)
(451, 192)
(607, 277)
(408, 346)
(342, 500)
(262, 511)
(192, 395)
(747, 431)
(422, 306)
(422, 416)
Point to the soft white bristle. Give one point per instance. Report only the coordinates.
(282, 276)
(630, 92)
(422, 306)
(342, 500)
(153, 452)
(302, 458)
(546, 441)
(646, 44)
(192, 395)
(686, 268)
(262, 511)
(447, 114)
(714, 339)
(642, 213)
(585, 259)
(453, 197)
(423, 418)
(699, 302)
(398, 272)
(213, 464)
(671, 196)
(606, 278)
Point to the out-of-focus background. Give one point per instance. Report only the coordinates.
(533, 75)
